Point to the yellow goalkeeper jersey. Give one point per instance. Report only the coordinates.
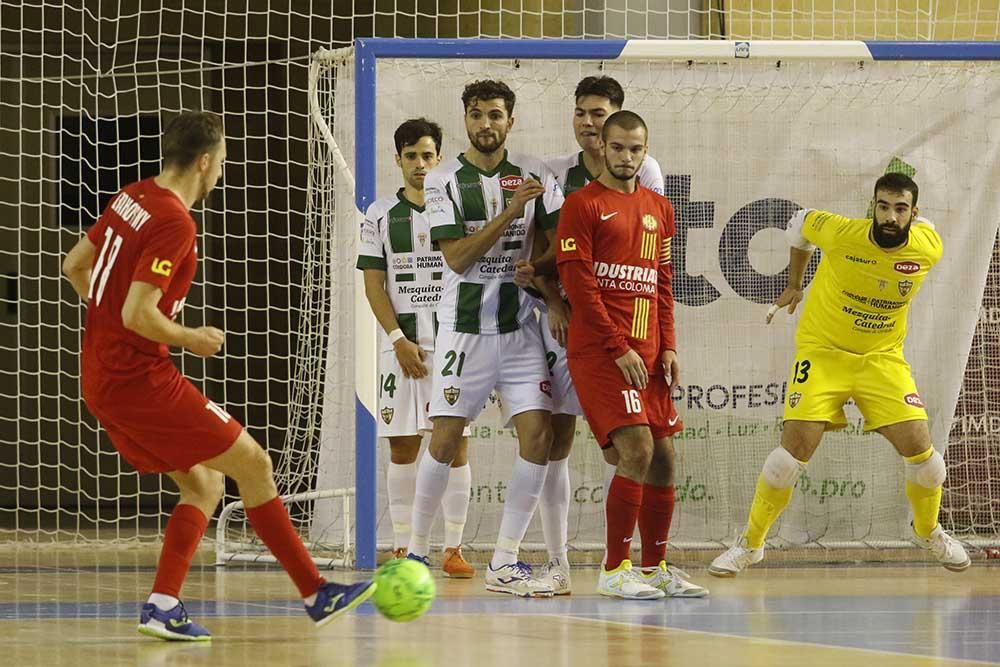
(860, 296)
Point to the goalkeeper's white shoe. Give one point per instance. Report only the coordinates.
(948, 551)
(735, 559)
(673, 581)
(625, 582)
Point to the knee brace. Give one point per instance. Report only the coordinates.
(929, 474)
(781, 469)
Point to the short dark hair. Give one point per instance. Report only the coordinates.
(897, 182)
(188, 136)
(601, 86)
(413, 130)
(627, 120)
(488, 89)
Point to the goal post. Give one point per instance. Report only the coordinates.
(745, 132)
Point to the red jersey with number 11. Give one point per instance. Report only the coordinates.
(147, 234)
(613, 253)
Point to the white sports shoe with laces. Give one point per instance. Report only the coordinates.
(555, 575)
(516, 579)
(673, 581)
(735, 559)
(625, 582)
(948, 551)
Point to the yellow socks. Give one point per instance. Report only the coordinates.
(768, 503)
(925, 500)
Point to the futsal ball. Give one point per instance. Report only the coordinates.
(404, 590)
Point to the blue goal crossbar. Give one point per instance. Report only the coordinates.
(368, 51)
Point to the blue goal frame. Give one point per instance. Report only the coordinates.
(368, 51)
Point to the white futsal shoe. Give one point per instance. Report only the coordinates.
(516, 579)
(555, 575)
(948, 551)
(625, 582)
(735, 559)
(673, 581)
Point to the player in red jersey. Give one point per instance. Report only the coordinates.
(134, 268)
(613, 253)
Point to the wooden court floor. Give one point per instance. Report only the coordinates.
(82, 608)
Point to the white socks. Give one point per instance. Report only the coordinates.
(401, 484)
(432, 479)
(609, 475)
(163, 602)
(455, 505)
(522, 498)
(554, 509)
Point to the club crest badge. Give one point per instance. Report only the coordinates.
(794, 398)
(451, 394)
(905, 286)
(650, 223)
(387, 414)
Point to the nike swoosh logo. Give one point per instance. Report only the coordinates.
(608, 216)
(333, 603)
(674, 420)
(659, 542)
(177, 624)
(627, 539)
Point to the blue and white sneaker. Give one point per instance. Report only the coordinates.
(516, 579)
(334, 600)
(172, 625)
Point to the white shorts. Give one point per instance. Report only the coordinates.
(403, 403)
(467, 367)
(564, 399)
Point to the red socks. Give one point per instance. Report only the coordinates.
(624, 500)
(275, 529)
(185, 529)
(654, 522)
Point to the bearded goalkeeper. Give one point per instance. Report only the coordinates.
(850, 345)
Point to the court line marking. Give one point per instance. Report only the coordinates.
(782, 642)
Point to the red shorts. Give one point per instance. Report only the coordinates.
(609, 402)
(160, 422)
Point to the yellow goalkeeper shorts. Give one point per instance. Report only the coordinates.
(823, 379)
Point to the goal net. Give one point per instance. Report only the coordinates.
(86, 91)
(742, 144)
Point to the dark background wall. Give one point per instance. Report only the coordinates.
(77, 81)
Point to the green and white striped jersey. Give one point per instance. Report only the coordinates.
(395, 238)
(573, 174)
(461, 199)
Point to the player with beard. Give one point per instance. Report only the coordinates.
(849, 344)
(613, 248)
(134, 268)
(485, 207)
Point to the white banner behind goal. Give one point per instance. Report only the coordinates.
(741, 146)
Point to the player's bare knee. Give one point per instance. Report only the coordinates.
(929, 474)
(446, 438)
(535, 445)
(404, 450)
(215, 486)
(663, 461)
(781, 469)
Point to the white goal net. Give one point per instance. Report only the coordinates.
(741, 145)
(84, 93)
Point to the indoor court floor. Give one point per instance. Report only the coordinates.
(81, 608)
